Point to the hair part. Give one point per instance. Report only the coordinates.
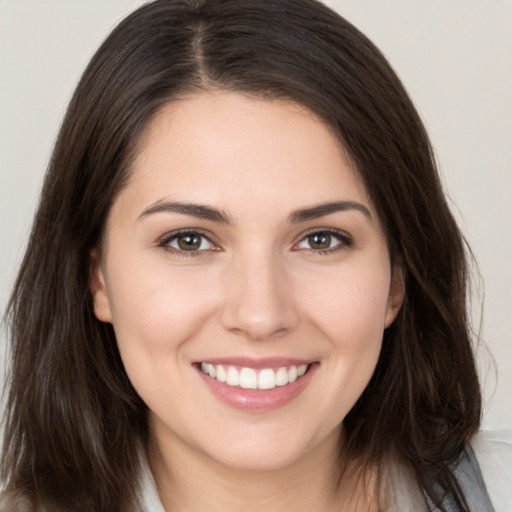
(74, 425)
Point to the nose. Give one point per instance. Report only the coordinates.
(259, 297)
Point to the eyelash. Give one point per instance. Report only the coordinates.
(167, 239)
(344, 241)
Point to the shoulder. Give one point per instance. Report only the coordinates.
(148, 495)
(493, 451)
(11, 501)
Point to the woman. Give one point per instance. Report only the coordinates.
(243, 286)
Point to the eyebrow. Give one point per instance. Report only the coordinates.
(324, 209)
(195, 210)
(216, 215)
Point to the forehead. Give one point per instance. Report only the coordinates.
(216, 145)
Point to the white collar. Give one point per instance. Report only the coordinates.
(149, 500)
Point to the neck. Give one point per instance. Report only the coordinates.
(187, 480)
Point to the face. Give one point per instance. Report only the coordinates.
(248, 280)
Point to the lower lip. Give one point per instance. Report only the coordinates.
(258, 400)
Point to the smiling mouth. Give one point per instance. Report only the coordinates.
(250, 378)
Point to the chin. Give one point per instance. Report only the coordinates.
(257, 460)
(267, 452)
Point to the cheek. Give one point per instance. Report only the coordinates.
(350, 313)
(155, 312)
(350, 307)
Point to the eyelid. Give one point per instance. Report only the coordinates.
(164, 241)
(346, 240)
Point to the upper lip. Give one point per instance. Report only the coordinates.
(256, 363)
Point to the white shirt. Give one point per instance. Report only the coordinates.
(493, 451)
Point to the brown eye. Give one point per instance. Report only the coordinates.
(189, 241)
(319, 240)
(325, 241)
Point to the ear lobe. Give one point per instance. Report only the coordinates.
(98, 287)
(396, 294)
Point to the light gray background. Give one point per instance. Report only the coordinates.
(454, 56)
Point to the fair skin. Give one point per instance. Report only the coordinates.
(216, 252)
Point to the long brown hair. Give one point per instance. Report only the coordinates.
(74, 425)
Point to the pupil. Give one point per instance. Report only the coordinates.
(189, 242)
(320, 241)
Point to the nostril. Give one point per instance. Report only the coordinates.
(261, 320)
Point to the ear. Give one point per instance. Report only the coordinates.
(98, 287)
(396, 294)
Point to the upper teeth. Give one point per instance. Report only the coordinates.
(249, 378)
